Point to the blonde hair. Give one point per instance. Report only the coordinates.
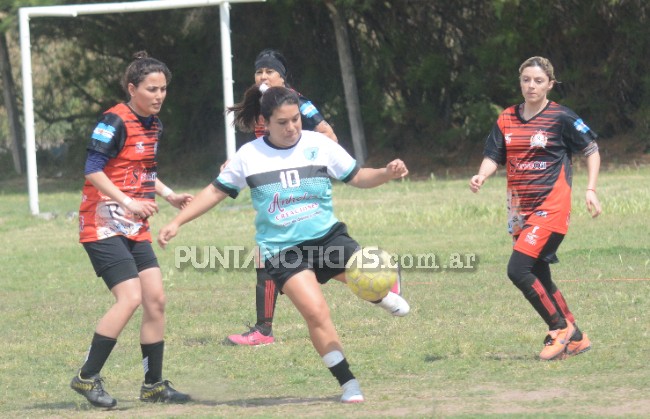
(540, 62)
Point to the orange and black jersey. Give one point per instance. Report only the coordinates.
(537, 155)
(131, 143)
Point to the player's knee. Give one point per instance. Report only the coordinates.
(517, 273)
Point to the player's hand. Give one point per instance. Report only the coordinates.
(476, 182)
(167, 233)
(142, 209)
(396, 169)
(179, 200)
(593, 204)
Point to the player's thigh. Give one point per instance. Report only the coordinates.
(305, 293)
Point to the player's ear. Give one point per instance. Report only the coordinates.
(131, 88)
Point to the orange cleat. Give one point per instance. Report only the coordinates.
(556, 342)
(576, 347)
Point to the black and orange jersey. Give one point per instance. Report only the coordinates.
(310, 116)
(131, 142)
(537, 155)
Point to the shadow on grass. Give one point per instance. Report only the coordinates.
(131, 404)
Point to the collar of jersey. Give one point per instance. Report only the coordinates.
(270, 144)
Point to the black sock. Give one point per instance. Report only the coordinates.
(152, 361)
(266, 295)
(342, 372)
(100, 349)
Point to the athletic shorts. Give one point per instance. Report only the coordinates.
(326, 256)
(539, 243)
(117, 258)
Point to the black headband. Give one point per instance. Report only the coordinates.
(268, 61)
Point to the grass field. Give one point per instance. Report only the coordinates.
(468, 349)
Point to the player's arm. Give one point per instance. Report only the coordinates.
(142, 209)
(369, 178)
(209, 197)
(487, 169)
(326, 129)
(593, 168)
(175, 199)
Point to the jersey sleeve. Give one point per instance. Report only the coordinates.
(575, 133)
(495, 146)
(232, 179)
(342, 166)
(309, 114)
(108, 136)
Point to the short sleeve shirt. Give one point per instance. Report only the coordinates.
(537, 155)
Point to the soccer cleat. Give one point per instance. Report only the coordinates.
(397, 286)
(556, 342)
(253, 337)
(352, 392)
(93, 390)
(394, 304)
(162, 392)
(576, 347)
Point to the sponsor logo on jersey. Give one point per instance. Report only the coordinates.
(531, 237)
(539, 139)
(308, 109)
(311, 153)
(580, 126)
(532, 165)
(542, 214)
(508, 138)
(139, 147)
(103, 133)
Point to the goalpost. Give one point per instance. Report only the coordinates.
(25, 13)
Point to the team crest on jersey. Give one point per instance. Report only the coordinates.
(508, 138)
(311, 153)
(539, 139)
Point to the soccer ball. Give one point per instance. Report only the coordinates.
(371, 273)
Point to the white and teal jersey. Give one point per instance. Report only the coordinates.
(290, 187)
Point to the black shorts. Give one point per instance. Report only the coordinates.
(117, 258)
(326, 256)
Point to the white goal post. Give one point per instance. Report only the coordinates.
(25, 13)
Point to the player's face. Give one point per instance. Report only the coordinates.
(148, 96)
(535, 84)
(285, 125)
(268, 76)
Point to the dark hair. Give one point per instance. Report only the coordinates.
(256, 103)
(274, 59)
(140, 67)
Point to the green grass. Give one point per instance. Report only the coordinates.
(467, 349)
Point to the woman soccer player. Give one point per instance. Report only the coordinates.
(302, 242)
(271, 70)
(535, 141)
(117, 200)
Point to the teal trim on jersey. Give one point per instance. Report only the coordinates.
(350, 170)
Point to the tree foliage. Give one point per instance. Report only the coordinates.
(432, 75)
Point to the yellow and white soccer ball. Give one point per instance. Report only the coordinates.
(371, 273)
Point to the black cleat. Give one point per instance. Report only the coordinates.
(93, 390)
(162, 392)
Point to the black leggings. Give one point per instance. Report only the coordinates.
(533, 278)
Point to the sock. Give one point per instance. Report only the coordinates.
(266, 295)
(99, 351)
(152, 361)
(338, 366)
